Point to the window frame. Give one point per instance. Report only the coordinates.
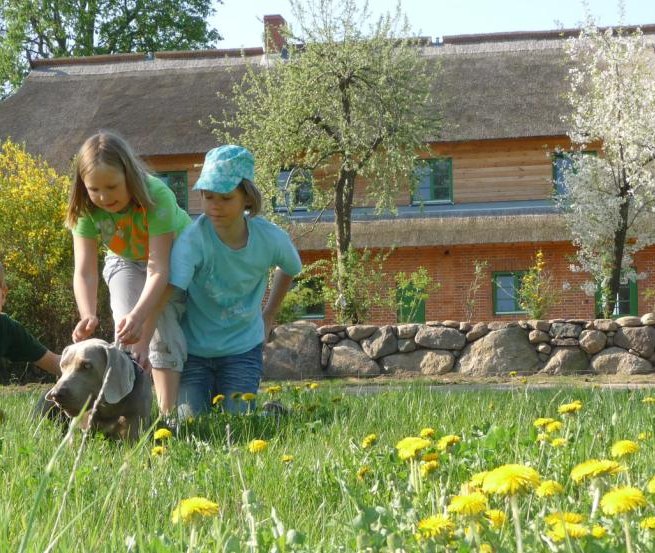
(518, 276)
(164, 177)
(433, 201)
(282, 189)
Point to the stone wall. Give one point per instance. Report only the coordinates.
(560, 346)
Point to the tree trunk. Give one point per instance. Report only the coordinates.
(619, 239)
(343, 205)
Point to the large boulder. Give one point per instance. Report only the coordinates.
(592, 341)
(619, 361)
(440, 337)
(425, 361)
(294, 352)
(567, 361)
(382, 342)
(348, 359)
(499, 352)
(638, 338)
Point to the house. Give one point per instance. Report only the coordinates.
(485, 194)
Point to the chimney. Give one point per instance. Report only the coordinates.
(274, 42)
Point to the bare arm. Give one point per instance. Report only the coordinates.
(279, 289)
(130, 329)
(50, 363)
(85, 286)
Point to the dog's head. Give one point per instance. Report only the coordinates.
(84, 368)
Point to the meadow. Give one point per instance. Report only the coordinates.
(407, 468)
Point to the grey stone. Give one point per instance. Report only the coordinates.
(294, 352)
(465, 327)
(648, 319)
(629, 320)
(330, 329)
(605, 325)
(330, 339)
(478, 331)
(565, 330)
(440, 338)
(619, 361)
(567, 361)
(499, 325)
(499, 352)
(543, 357)
(592, 341)
(382, 342)
(405, 346)
(433, 323)
(536, 324)
(425, 362)
(407, 331)
(348, 359)
(570, 342)
(524, 325)
(538, 337)
(639, 338)
(326, 351)
(451, 324)
(359, 332)
(544, 348)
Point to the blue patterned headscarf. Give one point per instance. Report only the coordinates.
(224, 168)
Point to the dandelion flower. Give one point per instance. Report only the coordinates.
(510, 480)
(158, 451)
(542, 421)
(624, 447)
(543, 437)
(362, 472)
(428, 468)
(426, 432)
(563, 517)
(273, 390)
(447, 441)
(594, 468)
(163, 434)
(486, 548)
(218, 398)
(369, 440)
(257, 446)
(559, 442)
(560, 531)
(468, 505)
(496, 517)
(598, 531)
(248, 396)
(312, 385)
(648, 523)
(432, 456)
(622, 500)
(554, 426)
(512, 374)
(648, 399)
(570, 408)
(437, 526)
(409, 447)
(651, 485)
(549, 488)
(193, 509)
(287, 458)
(478, 478)
(643, 436)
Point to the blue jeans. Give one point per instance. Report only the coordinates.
(203, 378)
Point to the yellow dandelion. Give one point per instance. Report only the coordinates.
(648, 399)
(651, 485)
(559, 442)
(312, 385)
(570, 408)
(542, 421)
(248, 396)
(193, 509)
(287, 458)
(447, 441)
(158, 451)
(648, 523)
(218, 398)
(486, 548)
(598, 531)
(428, 468)
(369, 440)
(554, 426)
(427, 457)
(163, 434)
(622, 500)
(594, 468)
(478, 478)
(543, 438)
(468, 505)
(549, 488)
(426, 432)
(560, 517)
(437, 526)
(643, 436)
(257, 446)
(624, 447)
(560, 531)
(496, 517)
(363, 471)
(512, 374)
(510, 480)
(274, 390)
(409, 447)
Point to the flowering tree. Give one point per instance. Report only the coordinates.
(610, 198)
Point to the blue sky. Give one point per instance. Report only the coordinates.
(240, 21)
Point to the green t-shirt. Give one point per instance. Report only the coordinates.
(16, 344)
(126, 234)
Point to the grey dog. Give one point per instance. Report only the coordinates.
(94, 369)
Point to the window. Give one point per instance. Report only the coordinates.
(562, 162)
(434, 181)
(410, 308)
(296, 189)
(505, 292)
(626, 303)
(177, 182)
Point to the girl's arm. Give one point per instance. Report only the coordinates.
(85, 286)
(279, 289)
(130, 328)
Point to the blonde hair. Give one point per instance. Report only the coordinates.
(253, 197)
(108, 148)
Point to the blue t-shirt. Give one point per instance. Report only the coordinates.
(225, 287)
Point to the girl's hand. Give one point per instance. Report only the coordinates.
(140, 355)
(85, 328)
(269, 325)
(129, 329)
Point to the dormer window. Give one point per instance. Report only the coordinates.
(434, 181)
(296, 189)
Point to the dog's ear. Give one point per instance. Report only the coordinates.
(121, 377)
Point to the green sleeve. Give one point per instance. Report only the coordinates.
(85, 227)
(166, 215)
(16, 344)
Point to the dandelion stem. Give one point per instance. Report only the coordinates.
(516, 516)
(595, 490)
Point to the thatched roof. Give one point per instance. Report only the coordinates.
(489, 87)
(446, 231)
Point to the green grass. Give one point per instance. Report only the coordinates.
(109, 496)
